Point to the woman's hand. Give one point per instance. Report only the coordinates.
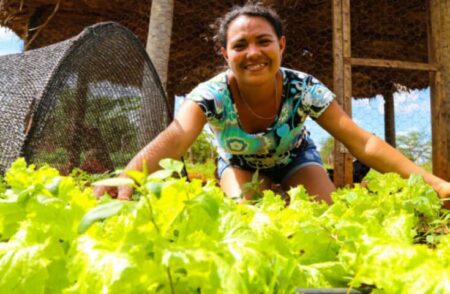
(443, 190)
(99, 191)
(122, 192)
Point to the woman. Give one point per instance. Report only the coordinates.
(256, 109)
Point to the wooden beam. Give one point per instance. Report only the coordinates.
(338, 58)
(389, 115)
(346, 34)
(392, 64)
(439, 53)
(342, 85)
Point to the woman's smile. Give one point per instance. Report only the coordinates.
(255, 66)
(253, 50)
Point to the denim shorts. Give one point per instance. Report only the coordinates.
(308, 155)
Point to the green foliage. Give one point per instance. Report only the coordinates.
(2, 185)
(253, 187)
(185, 237)
(415, 146)
(326, 151)
(202, 150)
(56, 156)
(100, 212)
(114, 119)
(204, 171)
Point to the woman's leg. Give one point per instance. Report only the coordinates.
(233, 178)
(315, 180)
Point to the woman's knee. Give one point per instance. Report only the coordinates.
(315, 180)
(234, 182)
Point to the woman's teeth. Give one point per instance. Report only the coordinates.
(255, 66)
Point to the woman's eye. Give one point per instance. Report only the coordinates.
(238, 46)
(265, 42)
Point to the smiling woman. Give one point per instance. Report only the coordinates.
(257, 111)
(9, 42)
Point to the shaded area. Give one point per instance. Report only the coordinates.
(91, 102)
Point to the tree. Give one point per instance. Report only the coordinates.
(159, 35)
(415, 146)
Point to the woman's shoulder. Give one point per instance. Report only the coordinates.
(214, 88)
(292, 74)
(218, 82)
(296, 77)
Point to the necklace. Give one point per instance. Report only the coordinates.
(251, 110)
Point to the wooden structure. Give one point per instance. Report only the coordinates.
(357, 48)
(438, 67)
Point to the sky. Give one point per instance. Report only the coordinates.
(412, 113)
(412, 109)
(9, 42)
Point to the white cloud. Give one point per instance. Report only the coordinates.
(405, 102)
(6, 34)
(403, 96)
(408, 108)
(380, 107)
(9, 42)
(368, 106)
(362, 102)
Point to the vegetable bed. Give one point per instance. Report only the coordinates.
(185, 237)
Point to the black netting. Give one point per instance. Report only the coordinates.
(91, 102)
(387, 29)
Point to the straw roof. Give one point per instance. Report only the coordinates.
(380, 29)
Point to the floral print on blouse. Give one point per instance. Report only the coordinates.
(303, 96)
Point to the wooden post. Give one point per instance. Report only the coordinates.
(439, 53)
(342, 85)
(159, 36)
(389, 116)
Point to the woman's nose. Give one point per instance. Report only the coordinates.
(253, 49)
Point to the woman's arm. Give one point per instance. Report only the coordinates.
(173, 142)
(373, 151)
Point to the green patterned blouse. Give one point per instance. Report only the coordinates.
(303, 96)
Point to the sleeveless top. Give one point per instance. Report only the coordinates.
(302, 96)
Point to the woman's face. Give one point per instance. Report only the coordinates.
(253, 50)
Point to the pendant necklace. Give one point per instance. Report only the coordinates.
(251, 110)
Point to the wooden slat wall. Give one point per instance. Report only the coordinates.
(342, 85)
(439, 48)
(445, 8)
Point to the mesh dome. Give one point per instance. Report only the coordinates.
(91, 101)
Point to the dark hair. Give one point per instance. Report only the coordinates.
(249, 9)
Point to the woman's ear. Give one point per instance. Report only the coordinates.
(224, 53)
(282, 42)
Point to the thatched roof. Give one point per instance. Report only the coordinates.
(24, 17)
(380, 29)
